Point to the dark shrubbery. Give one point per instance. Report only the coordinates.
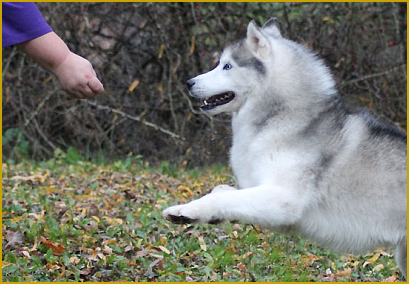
(144, 52)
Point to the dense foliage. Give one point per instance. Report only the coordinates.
(144, 53)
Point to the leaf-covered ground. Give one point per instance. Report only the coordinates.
(72, 220)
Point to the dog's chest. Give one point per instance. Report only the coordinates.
(260, 158)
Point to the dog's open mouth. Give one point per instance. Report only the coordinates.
(217, 100)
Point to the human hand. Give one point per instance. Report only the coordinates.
(77, 77)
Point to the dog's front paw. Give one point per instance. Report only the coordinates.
(181, 214)
(198, 211)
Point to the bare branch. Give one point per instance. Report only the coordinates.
(135, 118)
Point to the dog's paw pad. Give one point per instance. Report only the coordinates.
(180, 219)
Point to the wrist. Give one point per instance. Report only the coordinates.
(48, 50)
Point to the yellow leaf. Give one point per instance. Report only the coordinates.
(5, 263)
(247, 254)
(342, 273)
(52, 267)
(186, 189)
(328, 19)
(161, 49)
(113, 221)
(233, 247)
(160, 88)
(202, 243)
(14, 220)
(192, 45)
(35, 245)
(108, 242)
(48, 79)
(134, 84)
(95, 218)
(372, 259)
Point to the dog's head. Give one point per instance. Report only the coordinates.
(241, 70)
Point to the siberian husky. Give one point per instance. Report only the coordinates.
(303, 161)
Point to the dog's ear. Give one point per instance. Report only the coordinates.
(271, 28)
(256, 40)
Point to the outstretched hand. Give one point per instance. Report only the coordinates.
(77, 77)
(75, 73)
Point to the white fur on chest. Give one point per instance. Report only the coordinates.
(265, 158)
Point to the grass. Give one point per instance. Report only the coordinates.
(67, 219)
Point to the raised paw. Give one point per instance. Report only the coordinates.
(179, 219)
(197, 211)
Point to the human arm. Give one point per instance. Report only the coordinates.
(75, 73)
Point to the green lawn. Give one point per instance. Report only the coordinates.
(72, 220)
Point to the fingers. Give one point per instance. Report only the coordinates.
(86, 89)
(78, 78)
(95, 85)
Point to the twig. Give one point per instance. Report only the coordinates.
(43, 135)
(379, 74)
(7, 64)
(188, 101)
(40, 105)
(136, 118)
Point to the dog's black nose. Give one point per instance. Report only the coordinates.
(190, 83)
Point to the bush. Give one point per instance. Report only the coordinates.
(144, 52)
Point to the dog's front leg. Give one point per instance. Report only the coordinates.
(264, 205)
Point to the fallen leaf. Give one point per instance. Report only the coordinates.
(390, 279)
(26, 254)
(113, 221)
(52, 267)
(155, 262)
(14, 239)
(346, 272)
(109, 242)
(202, 243)
(134, 84)
(156, 255)
(192, 45)
(142, 253)
(161, 49)
(74, 260)
(107, 250)
(95, 218)
(165, 250)
(57, 248)
(14, 220)
(247, 254)
(379, 267)
(5, 263)
(372, 259)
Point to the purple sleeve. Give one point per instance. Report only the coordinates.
(22, 21)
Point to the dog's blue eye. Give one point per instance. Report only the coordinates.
(227, 66)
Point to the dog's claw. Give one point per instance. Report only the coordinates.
(180, 219)
(215, 221)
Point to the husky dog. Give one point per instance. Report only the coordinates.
(303, 161)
